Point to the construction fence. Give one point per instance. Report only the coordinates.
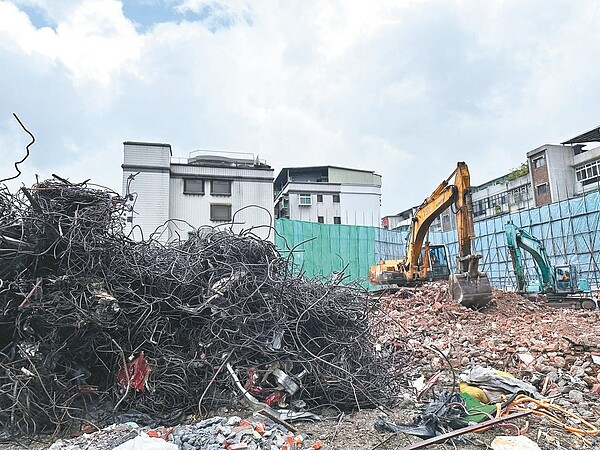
(569, 230)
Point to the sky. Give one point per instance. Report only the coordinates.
(404, 88)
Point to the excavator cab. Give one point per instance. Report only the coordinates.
(567, 281)
(389, 272)
(438, 268)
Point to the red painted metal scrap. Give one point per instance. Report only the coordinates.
(135, 374)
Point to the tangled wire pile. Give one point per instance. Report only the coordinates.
(96, 325)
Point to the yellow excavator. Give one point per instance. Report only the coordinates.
(425, 262)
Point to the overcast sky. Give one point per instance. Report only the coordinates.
(405, 88)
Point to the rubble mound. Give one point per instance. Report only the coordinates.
(555, 347)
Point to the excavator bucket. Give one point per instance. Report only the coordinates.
(470, 291)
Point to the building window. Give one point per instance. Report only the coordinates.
(220, 187)
(320, 219)
(478, 208)
(336, 198)
(305, 200)
(542, 189)
(319, 198)
(519, 195)
(193, 186)
(588, 173)
(220, 212)
(337, 220)
(539, 162)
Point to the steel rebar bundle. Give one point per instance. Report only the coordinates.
(96, 326)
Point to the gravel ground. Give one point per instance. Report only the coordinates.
(356, 432)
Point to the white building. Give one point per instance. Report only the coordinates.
(509, 193)
(171, 197)
(328, 194)
(560, 172)
(586, 160)
(502, 195)
(552, 173)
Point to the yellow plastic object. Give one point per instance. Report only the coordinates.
(503, 374)
(473, 391)
(478, 393)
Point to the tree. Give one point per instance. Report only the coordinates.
(518, 172)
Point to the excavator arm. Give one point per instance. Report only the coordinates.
(467, 262)
(516, 257)
(431, 208)
(517, 238)
(469, 286)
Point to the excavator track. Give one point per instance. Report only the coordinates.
(564, 301)
(572, 302)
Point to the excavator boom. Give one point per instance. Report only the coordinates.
(517, 238)
(469, 286)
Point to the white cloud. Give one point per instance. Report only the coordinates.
(94, 41)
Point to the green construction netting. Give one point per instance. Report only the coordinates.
(323, 250)
(568, 228)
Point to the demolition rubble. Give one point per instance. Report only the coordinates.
(152, 345)
(99, 329)
(552, 353)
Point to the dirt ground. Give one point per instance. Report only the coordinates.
(356, 432)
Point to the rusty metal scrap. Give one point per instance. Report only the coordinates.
(81, 301)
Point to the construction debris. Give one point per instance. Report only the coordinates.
(461, 431)
(216, 433)
(528, 339)
(496, 384)
(99, 328)
(513, 443)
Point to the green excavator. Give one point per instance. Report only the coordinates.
(560, 284)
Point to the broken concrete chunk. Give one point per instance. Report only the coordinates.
(514, 443)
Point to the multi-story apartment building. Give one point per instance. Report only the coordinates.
(400, 221)
(552, 173)
(560, 172)
(328, 194)
(499, 196)
(172, 196)
(555, 172)
(586, 160)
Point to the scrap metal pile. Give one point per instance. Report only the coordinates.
(95, 325)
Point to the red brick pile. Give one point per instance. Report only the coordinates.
(529, 339)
